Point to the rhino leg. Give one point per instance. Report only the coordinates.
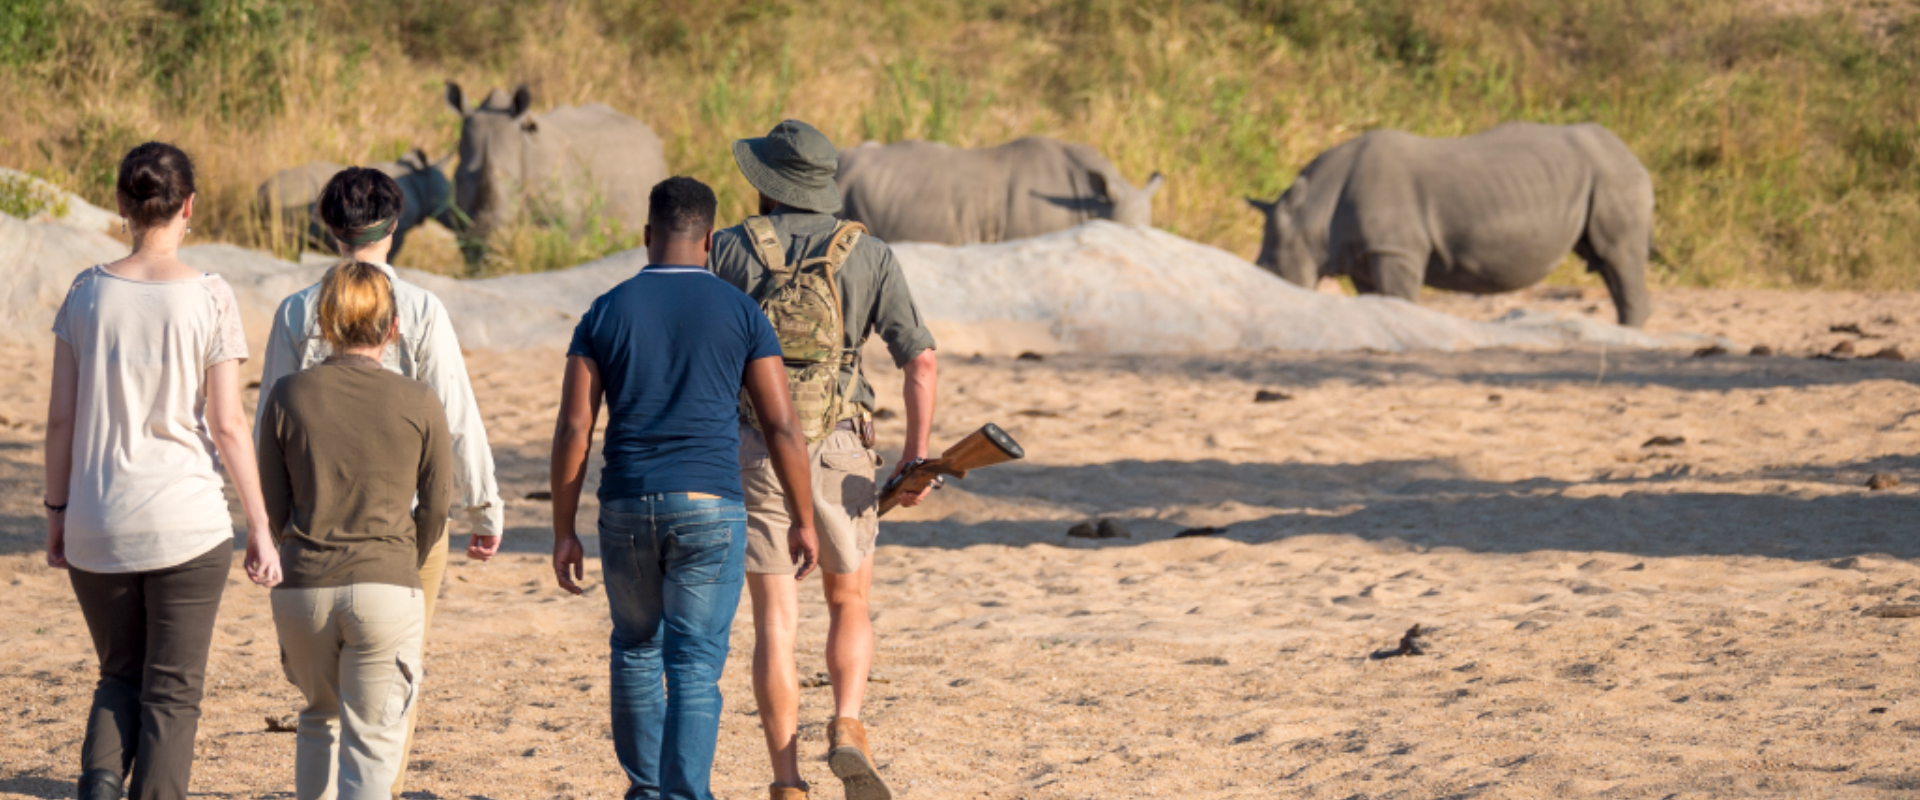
(318, 239)
(1396, 274)
(1625, 273)
(1362, 281)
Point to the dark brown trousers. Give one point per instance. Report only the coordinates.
(152, 631)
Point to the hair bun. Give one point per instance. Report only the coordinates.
(155, 181)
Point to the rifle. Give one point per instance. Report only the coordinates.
(982, 448)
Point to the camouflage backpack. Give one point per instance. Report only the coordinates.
(803, 303)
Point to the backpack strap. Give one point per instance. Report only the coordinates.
(766, 245)
(845, 236)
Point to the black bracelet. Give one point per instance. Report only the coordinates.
(62, 508)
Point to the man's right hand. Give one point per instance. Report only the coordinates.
(569, 562)
(804, 547)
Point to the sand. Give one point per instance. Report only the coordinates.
(1605, 618)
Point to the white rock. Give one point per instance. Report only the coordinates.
(1098, 288)
(80, 213)
(1104, 287)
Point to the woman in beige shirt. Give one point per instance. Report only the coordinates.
(145, 408)
(345, 447)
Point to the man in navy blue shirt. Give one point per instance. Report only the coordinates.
(669, 351)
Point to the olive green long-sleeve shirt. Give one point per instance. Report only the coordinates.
(345, 447)
(873, 292)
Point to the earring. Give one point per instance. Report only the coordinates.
(189, 229)
(123, 227)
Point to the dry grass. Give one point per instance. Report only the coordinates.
(1782, 135)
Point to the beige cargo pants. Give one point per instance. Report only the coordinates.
(354, 652)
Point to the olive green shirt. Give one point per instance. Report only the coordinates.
(873, 292)
(345, 447)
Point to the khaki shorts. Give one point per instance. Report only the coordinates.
(846, 503)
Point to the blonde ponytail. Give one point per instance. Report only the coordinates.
(356, 306)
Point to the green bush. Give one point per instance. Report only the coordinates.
(22, 197)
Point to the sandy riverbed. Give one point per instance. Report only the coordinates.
(1606, 619)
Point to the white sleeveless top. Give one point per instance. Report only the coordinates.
(146, 490)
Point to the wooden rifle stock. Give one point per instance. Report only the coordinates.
(982, 448)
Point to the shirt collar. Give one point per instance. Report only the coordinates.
(346, 360)
(671, 269)
(804, 221)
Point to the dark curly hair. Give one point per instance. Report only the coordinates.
(681, 208)
(357, 198)
(155, 181)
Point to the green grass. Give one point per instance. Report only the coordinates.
(23, 197)
(1784, 146)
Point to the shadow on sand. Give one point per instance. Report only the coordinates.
(1421, 503)
(1429, 504)
(1673, 369)
(31, 785)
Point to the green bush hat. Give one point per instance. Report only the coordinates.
(793, 164)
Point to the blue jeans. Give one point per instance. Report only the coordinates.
(673, 566)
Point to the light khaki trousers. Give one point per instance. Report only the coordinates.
(431, 574)
(354, 652)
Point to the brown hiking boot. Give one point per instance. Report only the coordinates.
(778, 792)
(847, 755)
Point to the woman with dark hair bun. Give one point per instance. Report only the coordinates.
(156, 181)
(145, 410)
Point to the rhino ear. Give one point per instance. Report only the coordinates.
(1261, 206)
(522, 100)
(456, 99)
(418, 158)
(1153, 184)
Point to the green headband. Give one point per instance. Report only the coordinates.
(371, 234)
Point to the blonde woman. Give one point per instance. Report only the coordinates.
(145, 407)
(345, 447)
(360, 208)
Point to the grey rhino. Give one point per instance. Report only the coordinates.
(927, 192)
(287, 203)
(560, 165)
(1488, 213)
(291, 197)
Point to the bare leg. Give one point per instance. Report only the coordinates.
(776, 684)
(849, 637)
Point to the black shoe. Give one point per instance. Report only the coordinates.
(100, 784)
